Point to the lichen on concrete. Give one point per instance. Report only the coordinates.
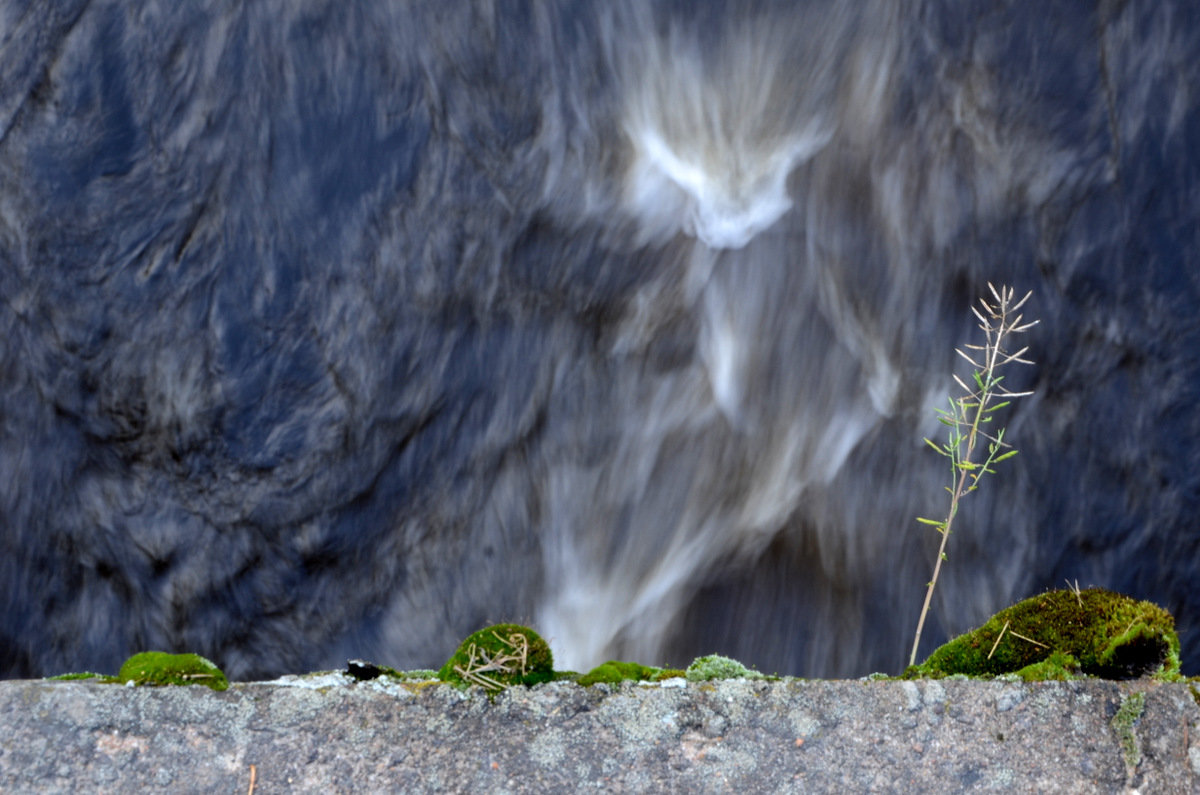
(1123, 723)
(714, 666)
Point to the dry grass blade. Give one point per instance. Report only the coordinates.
(1075, 590)
(1019, 304)
(968, 358)
(1028, 640)
(997, 643)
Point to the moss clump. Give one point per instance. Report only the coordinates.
(1064, 633)
(500, 656)
(616, 671)
(74, 676)
(160, 668)
(714, 666)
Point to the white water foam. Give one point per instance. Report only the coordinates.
(722, 201)
(713, 137)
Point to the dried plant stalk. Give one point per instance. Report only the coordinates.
(971, 412)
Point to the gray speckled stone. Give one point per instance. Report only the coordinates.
(332, 735)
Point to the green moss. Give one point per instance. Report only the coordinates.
(1128, 714)
(160, 668)
(615, 671)
(74, 676)
(1064, 633)
(714, 666)
(1059, 667)
(499, 656)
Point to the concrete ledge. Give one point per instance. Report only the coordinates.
(330, 734)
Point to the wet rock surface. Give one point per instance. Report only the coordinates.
(330, 734)
(330, 332)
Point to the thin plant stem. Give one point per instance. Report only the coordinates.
(969, 413)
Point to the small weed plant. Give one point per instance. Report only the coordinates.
(971, 414)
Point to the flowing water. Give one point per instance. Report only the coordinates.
(338, 332)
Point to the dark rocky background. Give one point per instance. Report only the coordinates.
(334, 330)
